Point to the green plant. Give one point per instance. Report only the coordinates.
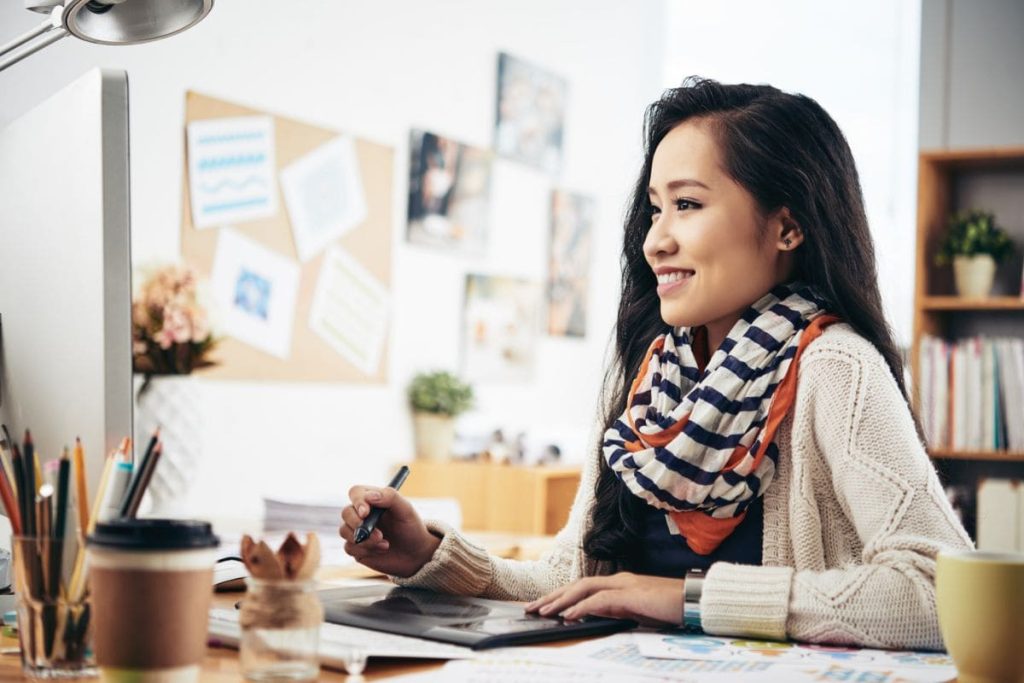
(972, 233)
(440, 392)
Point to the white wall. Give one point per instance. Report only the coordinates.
(860, 62)
(376, 70)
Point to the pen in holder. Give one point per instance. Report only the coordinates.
(53, 610)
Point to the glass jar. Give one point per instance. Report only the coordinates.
(54, 625)
(280, 622)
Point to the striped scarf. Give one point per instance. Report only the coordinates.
(694, 443)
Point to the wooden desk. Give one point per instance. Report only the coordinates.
(221, 664)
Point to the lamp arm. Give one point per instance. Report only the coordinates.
(52, 30)
(52, 36)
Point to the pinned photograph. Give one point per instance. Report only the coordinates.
(572, 229)
(501, 324)
(323, 191)
(350, 310)
(231, 170)
(449, 193)
(255, 289)
(531, 114)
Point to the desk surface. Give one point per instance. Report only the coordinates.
(221, 664)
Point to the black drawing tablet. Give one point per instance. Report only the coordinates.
(473, 622)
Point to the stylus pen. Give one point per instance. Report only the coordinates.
(366, 528)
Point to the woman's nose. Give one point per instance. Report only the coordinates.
(659, 241)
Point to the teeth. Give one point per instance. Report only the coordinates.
(674, 276)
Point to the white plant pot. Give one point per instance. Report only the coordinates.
(172, 403)
(435, 435)
(974, 275)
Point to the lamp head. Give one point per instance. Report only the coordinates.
(125, 22)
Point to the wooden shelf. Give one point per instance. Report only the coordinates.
(956, 303)
(952, 454)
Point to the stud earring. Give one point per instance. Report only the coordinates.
(787, 242)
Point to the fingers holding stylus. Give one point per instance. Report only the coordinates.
(365, 497)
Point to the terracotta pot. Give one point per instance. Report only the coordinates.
(974, 275)
(435, 435)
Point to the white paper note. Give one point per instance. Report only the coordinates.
(255, 289)
(324, 194)
(231, 170)
(350, 310)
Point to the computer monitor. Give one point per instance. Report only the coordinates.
(65, 273)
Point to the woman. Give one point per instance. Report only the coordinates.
(786, 461)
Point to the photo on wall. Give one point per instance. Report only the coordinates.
(501, 323)
(531, 114)
(569, 255)
(449, 193)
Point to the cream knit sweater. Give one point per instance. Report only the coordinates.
(852, 523)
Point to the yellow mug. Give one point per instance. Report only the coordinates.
(980, 598)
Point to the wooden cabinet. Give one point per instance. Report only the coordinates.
(508, 498)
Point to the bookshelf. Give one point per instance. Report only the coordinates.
(955, 180)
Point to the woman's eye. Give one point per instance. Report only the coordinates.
(683, 204)
(653, 211)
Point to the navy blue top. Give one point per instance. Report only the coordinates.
(664, 554)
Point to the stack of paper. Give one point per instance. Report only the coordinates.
(281, 515)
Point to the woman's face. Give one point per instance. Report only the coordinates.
(713, 252)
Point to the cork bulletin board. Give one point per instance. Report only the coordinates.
(309, 358)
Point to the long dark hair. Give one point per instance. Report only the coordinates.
(786, 151)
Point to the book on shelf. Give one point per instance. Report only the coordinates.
(972, 393)
(1000, 506)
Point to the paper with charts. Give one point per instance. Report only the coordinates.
(323, 191)
(350, 310)
(231, 170)
(882, 665)
(255, 289)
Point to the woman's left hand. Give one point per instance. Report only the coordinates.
(650, 600)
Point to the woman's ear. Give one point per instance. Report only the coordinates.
(789, 235)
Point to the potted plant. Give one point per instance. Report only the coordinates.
(171, 338)
(975, 245)
(437, 398)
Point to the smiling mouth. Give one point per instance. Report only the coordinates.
(674, 276)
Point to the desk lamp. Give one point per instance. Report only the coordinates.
(107, 22)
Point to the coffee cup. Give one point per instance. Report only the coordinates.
(151, 583)
(980, 599)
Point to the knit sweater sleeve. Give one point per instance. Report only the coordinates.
(854, 432)
(462, 567)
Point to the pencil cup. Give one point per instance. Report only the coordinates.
(280, 630)
(54, 612)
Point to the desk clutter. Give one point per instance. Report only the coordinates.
(89, 576)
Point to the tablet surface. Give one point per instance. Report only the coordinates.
(474, 622)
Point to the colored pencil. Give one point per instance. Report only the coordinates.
(21, 482)
(30, 465)
(133, 497)
(81, 487)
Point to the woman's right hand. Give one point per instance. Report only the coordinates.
(399, 545)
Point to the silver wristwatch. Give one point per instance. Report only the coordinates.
(693, 586)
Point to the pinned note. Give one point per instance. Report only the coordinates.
(231, 170)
